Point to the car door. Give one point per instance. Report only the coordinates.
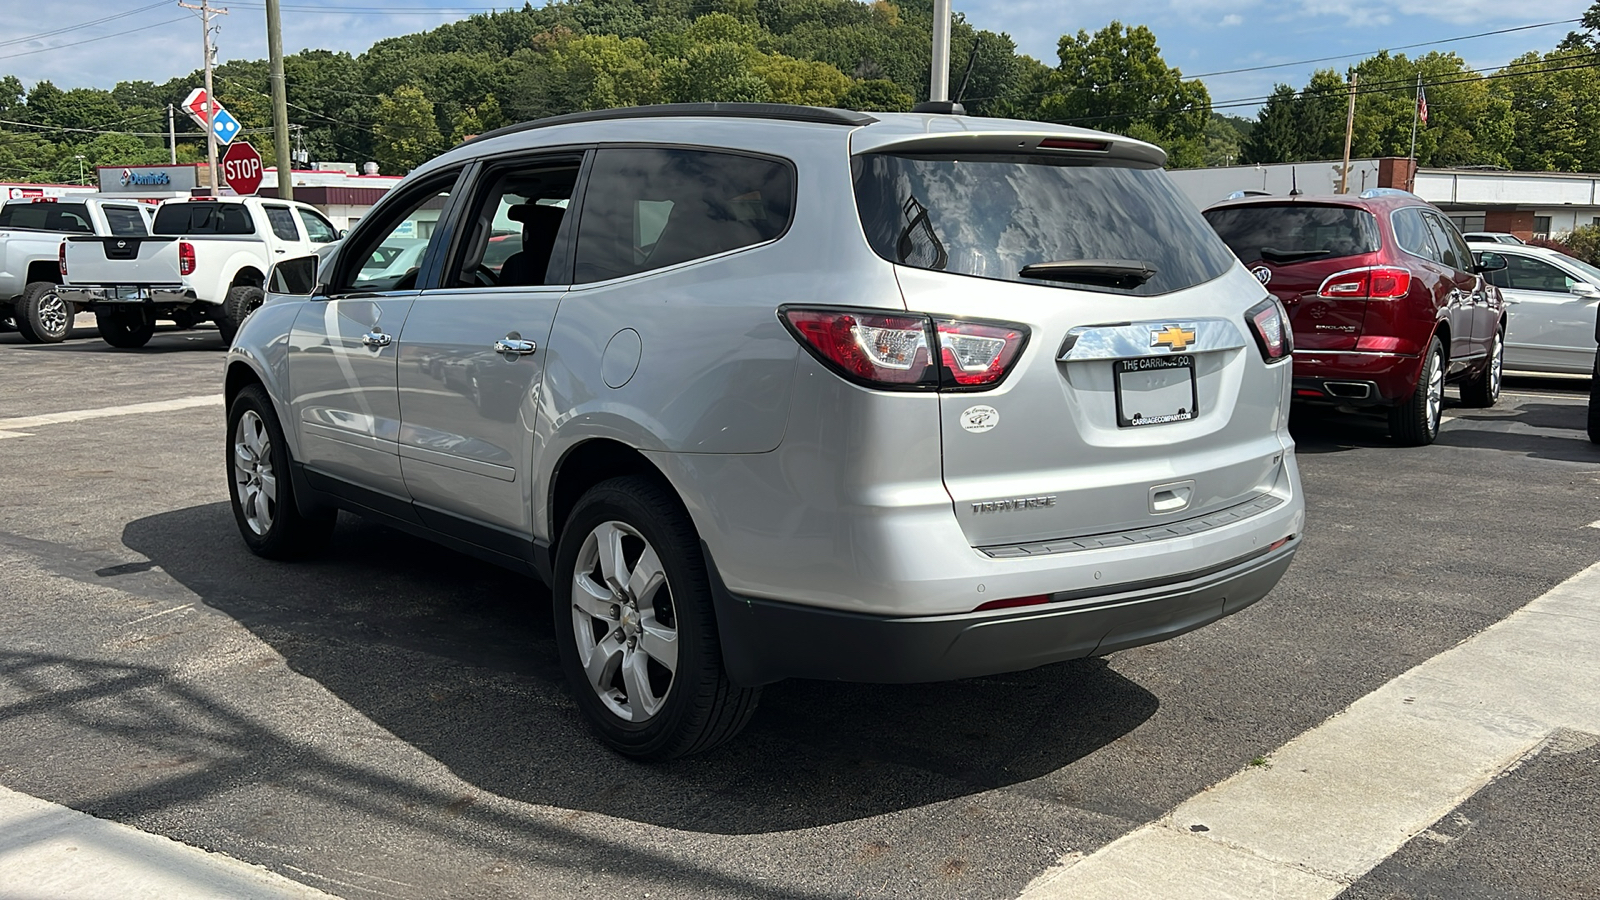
(1460, 287)
(342, 353)
(1486, 306)
(1551, 328)
(472, 354)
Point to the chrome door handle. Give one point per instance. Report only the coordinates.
(516, 346)
(376, 339)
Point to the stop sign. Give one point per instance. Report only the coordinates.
(241, 168)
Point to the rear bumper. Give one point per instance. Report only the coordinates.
(1357, 378)
(133, 295)
(767, 640)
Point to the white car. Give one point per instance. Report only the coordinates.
(1493, 237)
(1554, 300)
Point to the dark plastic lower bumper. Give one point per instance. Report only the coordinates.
(765, 640)
(1384, 379)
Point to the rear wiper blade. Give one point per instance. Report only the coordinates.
(1274, 255)
(1118, 273)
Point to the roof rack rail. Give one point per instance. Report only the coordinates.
(1373, 193)
(781, 111)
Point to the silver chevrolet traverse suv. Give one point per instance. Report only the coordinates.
(768, 391)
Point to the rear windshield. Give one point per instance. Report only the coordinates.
(1295, 233)
(991, 216)
(190, 217)
(67, 218)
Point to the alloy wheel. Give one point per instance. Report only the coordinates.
(1435, 393)
(624, 621)
(54, 314)
(254, 483)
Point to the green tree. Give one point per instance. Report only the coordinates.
(877, 95)
(1275, 137)
(406, 132)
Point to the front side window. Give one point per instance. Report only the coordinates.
(124, 221)
(1524, 274)
(282, 222)
(1442, 232)
(991, 217)
(318, 229)
(386, 254)
(1294, 232)
(646, 209)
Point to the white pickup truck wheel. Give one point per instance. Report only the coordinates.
(43, 316)
(236, 307)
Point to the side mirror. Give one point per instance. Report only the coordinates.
(297, 276)
(1585, 290)
(1489, 262)
(344, 233)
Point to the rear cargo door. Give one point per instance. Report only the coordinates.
(1133, 406)
(122, 260)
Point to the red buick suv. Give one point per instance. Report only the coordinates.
(1386, 302)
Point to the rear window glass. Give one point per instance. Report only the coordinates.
(645, 209)
(990, 217)
(190, 217)
(1295, 233)
(124, 221)
(68, 218)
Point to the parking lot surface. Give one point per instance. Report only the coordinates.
(388, 719)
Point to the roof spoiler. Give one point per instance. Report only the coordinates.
(1085, 146)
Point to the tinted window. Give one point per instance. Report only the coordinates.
(318, 229)
(645, 209)
(68, 218)
(1294, 232)
(282, 222)
(1524, 274)
(124, 221)
(515, 223)
(990, 217)
(1412, 235)
(1442, 234)
(202, 217)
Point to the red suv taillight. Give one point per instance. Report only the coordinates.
(1269, 323)
(1368, 283)
(892, 351)
(61, 260)
(185, 258)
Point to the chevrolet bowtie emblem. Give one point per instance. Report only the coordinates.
(1172, 337)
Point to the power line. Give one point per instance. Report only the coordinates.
(91, 40)
(44, 34)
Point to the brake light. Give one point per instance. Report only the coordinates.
(1013, 602)
(61, 260)
(1073, 144)
(977, 355)
(1369, 283)
(1270, 324)
(185, 258)
(894, 351)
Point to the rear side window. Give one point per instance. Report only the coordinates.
(282, 222)
(202, 217)
(124, 221)
(1288, 233)
(1412, 235)
(68, 218)
(990, 217)
(645, 209)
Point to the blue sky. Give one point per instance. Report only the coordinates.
(161, 40)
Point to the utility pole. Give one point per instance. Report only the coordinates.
(1349, 130)
(939, 85)
(206, 12)
(172, 138)
(280, 102)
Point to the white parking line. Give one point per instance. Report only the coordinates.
(52, 851)
(1344, 796)
(18, 427)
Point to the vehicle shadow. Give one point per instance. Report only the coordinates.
(458, 659)
(1537, 415)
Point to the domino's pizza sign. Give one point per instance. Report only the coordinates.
(147, 180)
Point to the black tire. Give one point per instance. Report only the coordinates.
(284, 532)
(700, 708)
(1594, 402)
(1483, 390)
(126, 328)
(1415, 422)
(242, 300)
(43, 316)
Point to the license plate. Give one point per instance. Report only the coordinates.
(1155, 390)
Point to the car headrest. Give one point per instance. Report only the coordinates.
(535, 214)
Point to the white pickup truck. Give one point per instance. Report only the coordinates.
(207, 257)
(31, 231)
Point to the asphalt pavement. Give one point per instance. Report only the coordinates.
(388, 719)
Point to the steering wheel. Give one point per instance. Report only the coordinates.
(485, 276)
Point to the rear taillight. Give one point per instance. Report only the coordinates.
(61, 260)
(1368, 283)
(1270, 325)
(893, 351)
(185, 258)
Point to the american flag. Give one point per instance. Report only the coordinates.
(1422, 104)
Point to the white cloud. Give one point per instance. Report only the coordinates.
(1231, 19)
